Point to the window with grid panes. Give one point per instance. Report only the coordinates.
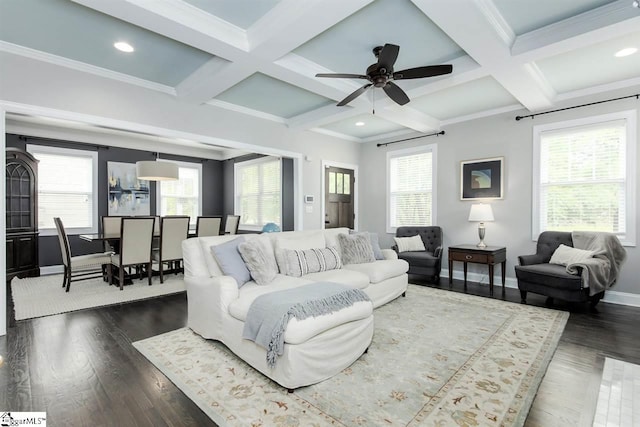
(410, 180)
(258, 192)
(67, 188)
(183, 196)
(584, 176)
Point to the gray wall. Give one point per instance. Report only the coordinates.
(494, 136)
(212, 192)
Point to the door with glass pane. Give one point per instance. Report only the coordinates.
(339, 197)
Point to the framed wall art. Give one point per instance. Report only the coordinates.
(128, 195)
(482, 179)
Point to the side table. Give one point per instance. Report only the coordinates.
(490, 255)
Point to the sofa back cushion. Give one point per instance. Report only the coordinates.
(548, 242)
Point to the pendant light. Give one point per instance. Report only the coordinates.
(156, 170)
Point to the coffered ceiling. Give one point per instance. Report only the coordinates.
(259, 58)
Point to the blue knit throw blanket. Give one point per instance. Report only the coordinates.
(269, 314)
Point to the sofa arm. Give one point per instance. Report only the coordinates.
(530, 259)
(389, 254)
(438, 252)
(208, 300)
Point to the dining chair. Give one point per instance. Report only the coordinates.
(209, 226)
(81, 267)
(111, 227)
(136, 235)
(231, 224)
(173, 230)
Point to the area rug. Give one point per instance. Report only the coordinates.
(438, 358)
(44, 296)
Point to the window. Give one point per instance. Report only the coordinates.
(258, 192)
(410, 187)
(584, 176)
(184, 196)
(67, 188)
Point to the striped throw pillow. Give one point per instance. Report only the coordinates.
(297, 262)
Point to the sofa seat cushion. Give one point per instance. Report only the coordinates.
(551, 275)
(419, 258)
(298, 331)
(351, 278)
(381, 270)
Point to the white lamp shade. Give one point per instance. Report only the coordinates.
(152, 170)
(481, 212)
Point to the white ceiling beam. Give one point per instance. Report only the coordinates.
(292, 23)
(324, 115)
(604, 23)
(408, 117)
(471, 26)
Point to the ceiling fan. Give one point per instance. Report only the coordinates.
(381, 74)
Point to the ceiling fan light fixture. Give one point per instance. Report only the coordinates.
(123, 47)
(626, 52)
(636, 3)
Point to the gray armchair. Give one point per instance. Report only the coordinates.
(536, 275)
(429, 261)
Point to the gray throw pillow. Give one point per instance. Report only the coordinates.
(356, 248)
(375, 243)
(230, 260)
(262, 267)
(297, 263)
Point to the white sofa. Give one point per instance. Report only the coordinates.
(315, 348)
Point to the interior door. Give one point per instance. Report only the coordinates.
(338, 197)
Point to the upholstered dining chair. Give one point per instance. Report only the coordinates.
(173, 230)
(111, 227)
(136, 236)
(81, 267)
(208, 226)
(231, 224)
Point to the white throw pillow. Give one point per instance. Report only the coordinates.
(413, 243)
(566, 255)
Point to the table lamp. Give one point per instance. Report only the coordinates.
(481, 212)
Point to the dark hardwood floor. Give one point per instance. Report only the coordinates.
(83, 371)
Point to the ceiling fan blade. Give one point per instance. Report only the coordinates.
(395, 93)
(387, 57)
(420, 72)
(354, 95)
(342, 76)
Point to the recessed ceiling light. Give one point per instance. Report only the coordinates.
(359, 123)
(123, 46)
(626, 52)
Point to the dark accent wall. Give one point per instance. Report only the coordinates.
(288, 210)
(212, 188)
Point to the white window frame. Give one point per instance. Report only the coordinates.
(47, 149)
(190, 165)
(433, 148)
(630, 194)
(236, 208)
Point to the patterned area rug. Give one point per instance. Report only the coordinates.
(44, 296)
(438, 358)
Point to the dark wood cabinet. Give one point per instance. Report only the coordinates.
(21, 214)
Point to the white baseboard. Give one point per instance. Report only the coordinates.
(51, 269)
(613, 297)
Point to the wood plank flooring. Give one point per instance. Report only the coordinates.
(83, 371)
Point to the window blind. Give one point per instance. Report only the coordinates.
(182, 197)
(65, 188)
(258, 192)
(583, 178)
(410, 190)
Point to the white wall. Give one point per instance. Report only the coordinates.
(482, 138)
